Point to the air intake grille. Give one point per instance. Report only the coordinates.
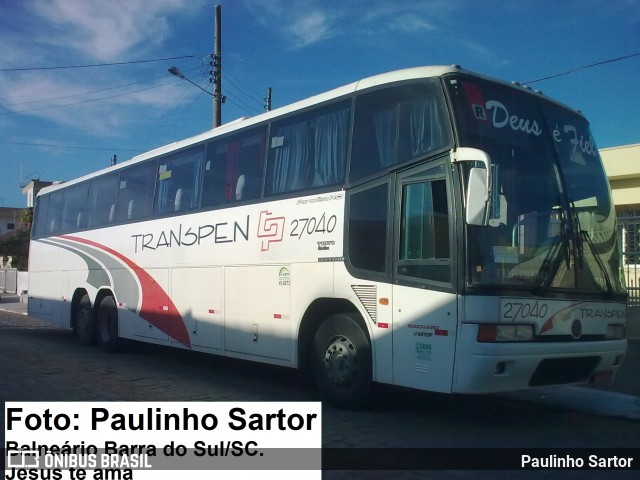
(368, 296)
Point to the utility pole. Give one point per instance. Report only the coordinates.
(267, 99)
(217, 70)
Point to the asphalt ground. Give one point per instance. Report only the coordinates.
(619, 398)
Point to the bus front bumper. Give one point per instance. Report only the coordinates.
(498, 367)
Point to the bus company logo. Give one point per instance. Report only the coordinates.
(284, 276)
(270, 229)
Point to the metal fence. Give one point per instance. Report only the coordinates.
(629, 234)
(9, 280)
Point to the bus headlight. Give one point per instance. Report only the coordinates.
(496, 332)
(615, 331)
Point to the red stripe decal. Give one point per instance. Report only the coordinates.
(560, 315)
(168, 319)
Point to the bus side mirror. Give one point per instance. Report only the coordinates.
(476, 212)
(478, 186)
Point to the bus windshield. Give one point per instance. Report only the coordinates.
(551, 223)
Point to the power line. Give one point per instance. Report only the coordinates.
(88, 101)
(165, 117)
(240, 103)
(28, 69)
(573, 70)
(253, 96)
(40, 100)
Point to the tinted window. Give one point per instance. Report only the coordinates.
(397, 124)
(74, 204)
(135, 196)
(308, 151)
(178, 185)
(40, 216)
(54, 211)
(103, 193)
(233, 169)
(368, 212)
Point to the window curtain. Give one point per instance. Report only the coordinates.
(330, 152)
(384, 124)
(292, 160)
(169, 180)
(425, 125)
(198, 165)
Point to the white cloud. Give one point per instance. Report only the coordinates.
(301, 22)
(67, 32)
(105, 29)
(411, 23)
(81, 105)
(311, 28)
(305, 22)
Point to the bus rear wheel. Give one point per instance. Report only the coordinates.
(341, 362)
(108, 324)
(85, 322)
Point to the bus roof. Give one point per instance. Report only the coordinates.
(243, 122)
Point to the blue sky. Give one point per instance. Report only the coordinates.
(60, 123)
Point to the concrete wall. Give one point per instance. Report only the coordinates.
(622, 165)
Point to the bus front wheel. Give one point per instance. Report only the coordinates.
(108, 324)
(341, 362)
(85, 323)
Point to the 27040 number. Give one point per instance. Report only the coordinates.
(514, 311)
(311, 225)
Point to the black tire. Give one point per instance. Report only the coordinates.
(85, 322)
(107, 328)
(341, 362)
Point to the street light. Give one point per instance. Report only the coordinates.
(178, 73)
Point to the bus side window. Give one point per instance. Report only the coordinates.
(53, 222)
(233, 169)
(424, 244)
(308, 151)
(214, 187)
(135, 196)
(178, 186)
(368, 226)
(395, 125)
(103, 192)
(40, 216)
(74, 204)
(249, 183)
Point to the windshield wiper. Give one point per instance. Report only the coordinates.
(583, 234)
(553, 259)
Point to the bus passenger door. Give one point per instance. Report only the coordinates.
(424, 300)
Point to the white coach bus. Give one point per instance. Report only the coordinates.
(430, 228)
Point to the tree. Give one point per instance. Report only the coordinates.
(26, 218)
